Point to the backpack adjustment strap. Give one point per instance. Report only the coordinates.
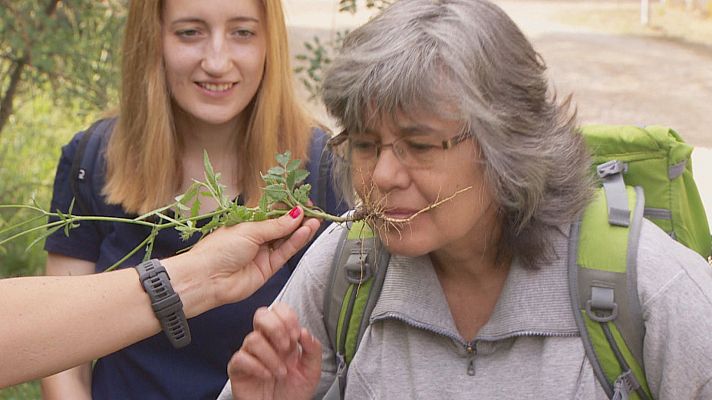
(611, 174)
(358, 269)
(602, 299)
(624, 384)
(337, 388)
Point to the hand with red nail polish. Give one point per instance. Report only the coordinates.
(239, 259)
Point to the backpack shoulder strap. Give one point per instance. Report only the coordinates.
(603, 288)
(357, 275)
(87, 169)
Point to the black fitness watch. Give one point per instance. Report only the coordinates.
(165, 302)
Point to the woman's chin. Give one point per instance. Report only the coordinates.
(404, 244)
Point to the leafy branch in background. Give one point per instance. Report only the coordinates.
(284, 191)
(64, 47)
(319, 53)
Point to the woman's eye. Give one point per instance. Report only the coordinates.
(187, 33)
(420, 147)
(243, 33)
(363, 145)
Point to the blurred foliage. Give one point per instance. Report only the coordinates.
(23, 391)
(29, 151)
(351, 5)
(68, 48)
(311, 66)
(58, 70)
(314, 63)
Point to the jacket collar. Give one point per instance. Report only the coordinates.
(532, 302)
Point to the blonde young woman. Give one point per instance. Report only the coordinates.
(211, 75)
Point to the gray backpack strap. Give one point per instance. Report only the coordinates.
(358, 270)
(336, 288)
(605, 297)
(611, 174)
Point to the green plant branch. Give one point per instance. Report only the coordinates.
(284, 188)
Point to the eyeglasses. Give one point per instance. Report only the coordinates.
(416, 151)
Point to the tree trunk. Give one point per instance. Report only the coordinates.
(7, 100)
(9, 95)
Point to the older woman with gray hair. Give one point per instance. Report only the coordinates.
(448, 100)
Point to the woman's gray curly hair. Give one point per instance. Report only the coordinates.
(466, 60)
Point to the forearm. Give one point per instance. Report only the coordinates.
(49, 324)
(92, 315)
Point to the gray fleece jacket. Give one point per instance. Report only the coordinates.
(530, 348)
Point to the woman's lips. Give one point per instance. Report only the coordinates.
(399, 213)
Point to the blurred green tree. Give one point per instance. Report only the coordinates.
(312, 64)
(66, 47)
(58, 71)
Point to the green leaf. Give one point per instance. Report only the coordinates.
(276, 193)
(300, 175)
(210, 226)
(283, 158)
(264, 204)
(302, 193)
(291, 180)
(276, 171)
(293, 165)
(186, 232)
(259, 215)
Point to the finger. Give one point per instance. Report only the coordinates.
(277, 325)
(289, 318)
(258, 347)
(283, 250)
(243, 364)
(311, 351)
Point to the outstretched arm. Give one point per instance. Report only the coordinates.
(51, 323)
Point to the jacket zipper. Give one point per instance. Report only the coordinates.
(471, 347)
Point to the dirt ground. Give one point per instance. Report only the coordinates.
(628, 78)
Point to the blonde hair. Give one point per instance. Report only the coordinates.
(143, 154)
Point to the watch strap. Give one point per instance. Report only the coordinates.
(165, 302)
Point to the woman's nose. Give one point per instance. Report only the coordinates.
(388, 172)
(216, 60)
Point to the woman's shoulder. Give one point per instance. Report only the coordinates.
(319, 136)
(663, 265)
(97, 133)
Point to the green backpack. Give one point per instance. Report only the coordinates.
(603, 244)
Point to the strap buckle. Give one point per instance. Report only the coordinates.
(624, 384)
(612, 167)
(602, 298)
(358, 266)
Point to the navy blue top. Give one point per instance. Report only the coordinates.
(152, 368)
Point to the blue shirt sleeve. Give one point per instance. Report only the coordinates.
(83, 241)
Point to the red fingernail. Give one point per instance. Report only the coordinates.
(295, 212)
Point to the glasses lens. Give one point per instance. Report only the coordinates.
(363, 150)
(418, 152)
